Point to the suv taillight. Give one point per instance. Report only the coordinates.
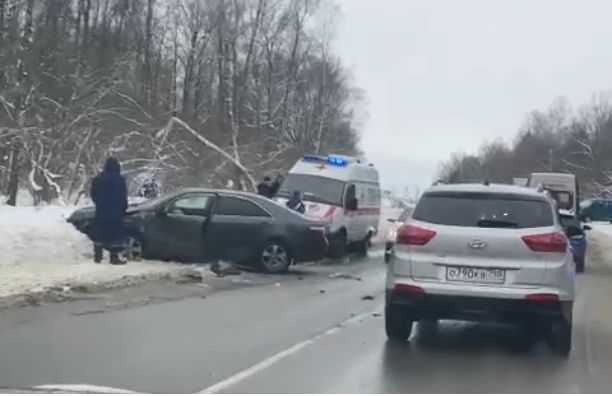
(554, 242)
(413, 235)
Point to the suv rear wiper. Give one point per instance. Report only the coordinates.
(492, 223)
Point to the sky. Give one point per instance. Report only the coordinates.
(448, 75)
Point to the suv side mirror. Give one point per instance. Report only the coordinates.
(352, 204)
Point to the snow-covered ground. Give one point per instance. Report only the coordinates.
(600, 241)
(40, 251)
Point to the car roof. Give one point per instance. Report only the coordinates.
(486, 188)
(214, 191)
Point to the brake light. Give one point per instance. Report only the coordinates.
(412, 235)
(555, 242)
(408, 289)
(543, 297)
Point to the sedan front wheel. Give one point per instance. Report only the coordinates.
(133, 248)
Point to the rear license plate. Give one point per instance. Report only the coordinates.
(475, 275)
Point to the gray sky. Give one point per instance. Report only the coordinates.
(442, 75)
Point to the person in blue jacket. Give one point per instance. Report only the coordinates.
(109, 194)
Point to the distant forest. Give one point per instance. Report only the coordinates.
(558, 139)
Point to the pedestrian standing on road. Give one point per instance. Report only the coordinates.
(109, 194)
(265, 188)
(295, 203)
(277, 184)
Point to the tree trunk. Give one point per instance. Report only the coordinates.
(148, 74)
(21, 104)
(2, 18)
(13, 184)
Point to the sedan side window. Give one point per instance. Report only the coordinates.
(232, 206)
(193, 205)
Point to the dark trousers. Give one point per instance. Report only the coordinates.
(107, 236)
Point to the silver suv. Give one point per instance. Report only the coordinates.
(482, 252)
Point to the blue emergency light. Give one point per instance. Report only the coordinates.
(337, 161)
(330, 160)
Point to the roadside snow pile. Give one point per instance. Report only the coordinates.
(600, 242)
(40, 251)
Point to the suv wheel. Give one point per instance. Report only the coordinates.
(398, 325)
(560, 340)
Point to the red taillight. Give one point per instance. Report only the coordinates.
(409, 289)
(413, 235)
(543, 297)
(555, 242)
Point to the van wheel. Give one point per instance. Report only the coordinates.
(338, 245)
(362, 247)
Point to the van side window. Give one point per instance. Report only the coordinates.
(350, 194)
(363, 197)
(373, 196)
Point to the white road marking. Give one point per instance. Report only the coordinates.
(82, 388)
(264, 364)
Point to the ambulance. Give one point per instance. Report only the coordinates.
(343, 190)
(562, 186)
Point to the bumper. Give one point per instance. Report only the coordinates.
(314, 249)
(437, 306)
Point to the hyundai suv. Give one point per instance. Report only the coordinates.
(482, 252)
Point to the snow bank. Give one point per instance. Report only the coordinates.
(600, 242)
(40, 251)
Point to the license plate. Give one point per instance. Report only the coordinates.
(475, 275)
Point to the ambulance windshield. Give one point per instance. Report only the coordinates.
(313, 188)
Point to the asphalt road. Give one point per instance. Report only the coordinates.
(317, 330)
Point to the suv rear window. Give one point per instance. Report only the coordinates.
(484, 210)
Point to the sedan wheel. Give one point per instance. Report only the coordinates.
(275, 257)
(133, 248)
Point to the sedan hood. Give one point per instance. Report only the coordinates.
(84, 213)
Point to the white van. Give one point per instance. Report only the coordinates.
(563, 187)
(343, 190)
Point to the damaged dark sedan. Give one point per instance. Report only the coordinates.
(201, 225)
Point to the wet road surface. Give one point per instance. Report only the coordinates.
(319, 330)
